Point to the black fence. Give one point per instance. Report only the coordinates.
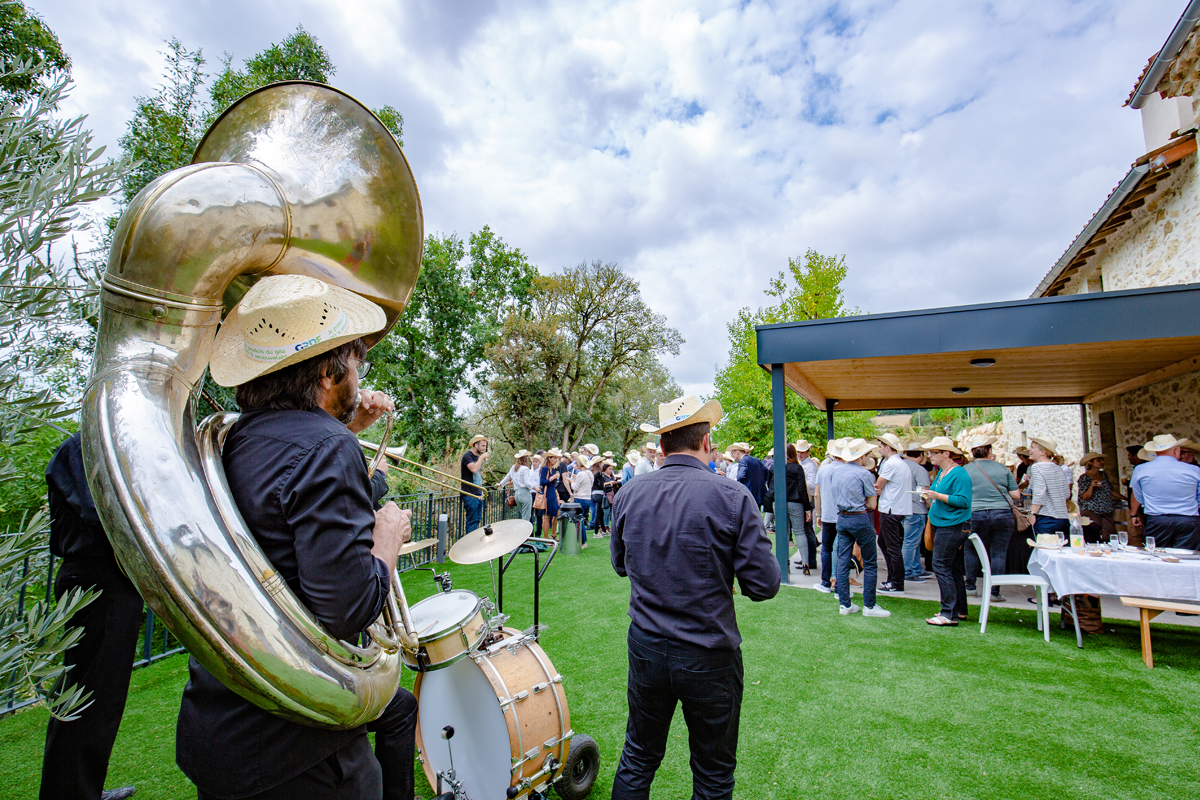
(156, 642)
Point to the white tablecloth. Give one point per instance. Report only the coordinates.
(1072, 573)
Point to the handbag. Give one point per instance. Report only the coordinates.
(928, 535)
(510, 501)
(539, 501)
(1022, 521)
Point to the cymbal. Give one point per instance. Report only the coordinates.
(415, 545)
(490, 541)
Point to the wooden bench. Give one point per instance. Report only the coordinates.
(1151, 609)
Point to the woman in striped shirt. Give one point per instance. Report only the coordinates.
(1049, 486)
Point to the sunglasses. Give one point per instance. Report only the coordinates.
(364, 367)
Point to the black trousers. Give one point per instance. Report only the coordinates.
(351, 773)
(1170, 530)
(708, 683)
(75, 760)
(891, 532)
(395, 745)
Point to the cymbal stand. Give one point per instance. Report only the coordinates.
(528, 546)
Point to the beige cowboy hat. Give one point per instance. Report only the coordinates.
(608, 462)
(855, 449)
(651, 446)
(978, 440)
(891, 440)
(803, 446)
(479, 437)
(1048, 443)
(1165, 441)
(554, 451)
(1021, 451)
(728, 456)
(633, 457)
(521, 454)
(286, 319)
(745, 447)
(591, 448)
(771, 452)
(942, 443)
(683, 411)
(1087, 457)
(1146, 455)
(607, 454)
(582, 460)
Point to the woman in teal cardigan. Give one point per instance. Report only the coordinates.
(949, 503)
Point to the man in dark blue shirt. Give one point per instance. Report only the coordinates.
(682, 534)
(751, 472)
(298, 477)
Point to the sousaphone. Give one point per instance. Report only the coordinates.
(294, 178)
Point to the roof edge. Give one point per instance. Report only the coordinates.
(1153, 74)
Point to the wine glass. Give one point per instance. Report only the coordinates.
(1123, 539)
(1059, 539)
(1114, 541)
(1150, 543)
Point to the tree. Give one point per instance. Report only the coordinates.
(30, 53)
(635, 400)
(299, 57)
(51, 174)
(433, 353)
(810, 289)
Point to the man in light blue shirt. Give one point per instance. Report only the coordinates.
(1169, 492)
(854, 493)
(828, 512)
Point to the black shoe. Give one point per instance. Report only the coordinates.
(118, 794)
(890, 588)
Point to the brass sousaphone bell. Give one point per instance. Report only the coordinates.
(295, 178)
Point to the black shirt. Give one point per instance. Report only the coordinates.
(797, 486)
(469, 457)
(300, 482)
(681, 534)
(75, 530)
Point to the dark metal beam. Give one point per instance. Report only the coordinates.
(779, 428)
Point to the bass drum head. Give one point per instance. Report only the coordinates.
(461, 696)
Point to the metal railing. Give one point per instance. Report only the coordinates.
(156, 642)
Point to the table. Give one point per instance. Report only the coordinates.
(1131, 573)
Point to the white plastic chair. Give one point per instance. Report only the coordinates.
(990, 580)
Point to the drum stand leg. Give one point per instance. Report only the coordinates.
(538, 571)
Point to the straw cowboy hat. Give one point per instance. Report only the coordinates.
(651, 446)
(608, 453)
(771, 452)
(891, 440)
(1048, 443)
(608, 462)
(591, 448)
(554, 451)
(745, 447)
(1165, 441)
(479, 437)
(942, 443)
(583, 460)
(855, 449)
(1021, 451)
(286, 319)
(1083, 462)
(803, 446)
(683, 411)
(1146, 455)
(633, 457)
(979, 440)
(521, 454)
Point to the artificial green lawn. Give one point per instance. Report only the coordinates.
(834, 706)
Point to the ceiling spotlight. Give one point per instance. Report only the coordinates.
(961, 389)
(982, 362)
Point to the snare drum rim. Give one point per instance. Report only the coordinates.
(451, 627)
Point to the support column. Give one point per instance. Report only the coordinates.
(829, 404)
(779, 428)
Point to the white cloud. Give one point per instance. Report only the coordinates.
(950, 151)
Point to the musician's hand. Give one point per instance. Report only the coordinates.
(372, 406)
(393, 527)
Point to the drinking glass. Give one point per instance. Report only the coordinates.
(1149, 542)
(1114, 541)
(1123, 538)
(1059, 538)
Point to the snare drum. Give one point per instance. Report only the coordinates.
(509, 713)
(448, 625)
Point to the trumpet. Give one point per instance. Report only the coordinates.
(396, 454)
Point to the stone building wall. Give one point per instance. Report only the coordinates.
(1062, 423)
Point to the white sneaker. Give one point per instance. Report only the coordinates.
(876, 611)
(820, 587)
(848, 610)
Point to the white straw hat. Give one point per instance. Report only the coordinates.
(1165, 441)
(1048, 443)
(286, 319)
(521, 454)
(803, 445)
(633, 457)
(942, 443)
(745, 447)
(855, 449)
(591, 448)
(891, 440)
(683, 411)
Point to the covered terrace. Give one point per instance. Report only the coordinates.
(1074, 349)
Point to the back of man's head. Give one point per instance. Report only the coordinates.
(689, 439)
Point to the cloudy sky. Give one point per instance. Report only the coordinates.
(950, 150)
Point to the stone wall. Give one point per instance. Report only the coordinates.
(1061, 423)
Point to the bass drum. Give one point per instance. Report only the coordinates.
(506, 704)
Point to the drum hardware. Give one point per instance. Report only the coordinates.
(449, 774)
(443, 580)
(491, 541)
(533, 545)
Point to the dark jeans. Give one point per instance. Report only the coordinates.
(351, 773)
(948, 568)
(473, 507)
(828, 537)
(994, 527)
(856, 528)
(585, 510)
(75, 760)
(1169, 530)
(1043, 524)
(891, 531)
(708, 683)
(396, 744)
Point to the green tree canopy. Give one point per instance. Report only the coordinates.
(299, 57)
(30, 53)
(811, 288)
